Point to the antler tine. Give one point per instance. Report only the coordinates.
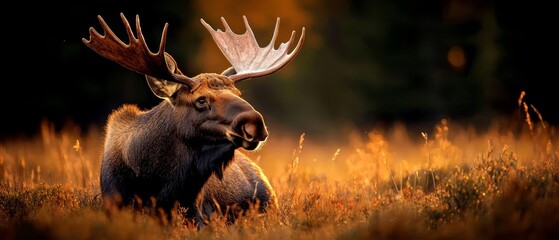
(276, 30)
(225, 24)
(248, 59)
(136, 55)
(249, 30)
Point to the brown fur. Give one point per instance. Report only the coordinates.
(180, 152)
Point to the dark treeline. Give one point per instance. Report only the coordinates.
(363, 62)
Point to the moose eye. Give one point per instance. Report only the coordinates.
(202, 104)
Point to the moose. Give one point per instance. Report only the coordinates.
(185, 150)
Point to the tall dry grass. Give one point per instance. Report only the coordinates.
(452, 181)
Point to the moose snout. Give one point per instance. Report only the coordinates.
(250, 125)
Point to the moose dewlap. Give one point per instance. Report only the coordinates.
(184, 150)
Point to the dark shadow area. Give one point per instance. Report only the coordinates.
(364, 63)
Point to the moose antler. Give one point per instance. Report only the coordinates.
(136, 55)
(247, 57)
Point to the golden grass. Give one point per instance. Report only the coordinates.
(449, 182)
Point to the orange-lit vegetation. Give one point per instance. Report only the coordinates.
(451, 181)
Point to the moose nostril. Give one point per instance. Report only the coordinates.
(249, 131)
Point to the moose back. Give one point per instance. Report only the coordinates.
(185, 150)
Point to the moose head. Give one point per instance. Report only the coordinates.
(209, 102)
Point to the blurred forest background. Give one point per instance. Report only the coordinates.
(363, 64)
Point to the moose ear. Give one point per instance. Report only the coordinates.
(162, 88)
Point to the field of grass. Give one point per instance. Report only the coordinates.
(449, 182)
